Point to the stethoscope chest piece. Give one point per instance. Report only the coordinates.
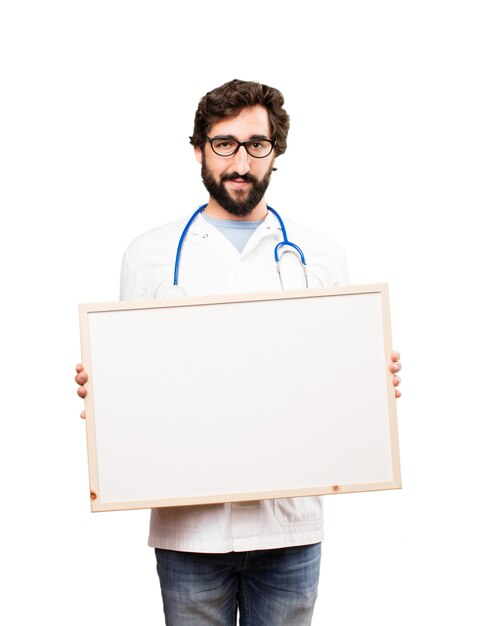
(175, 291)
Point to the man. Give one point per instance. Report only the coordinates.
(262, 557)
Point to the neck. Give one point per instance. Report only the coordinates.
(213, 209)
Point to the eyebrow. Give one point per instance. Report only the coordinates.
(251, 138)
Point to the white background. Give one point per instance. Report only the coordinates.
(97, 104)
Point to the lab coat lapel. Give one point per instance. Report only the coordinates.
(269, 228)
(203, 233)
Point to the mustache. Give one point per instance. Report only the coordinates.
(247, 177)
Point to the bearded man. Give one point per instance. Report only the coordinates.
(260, 558)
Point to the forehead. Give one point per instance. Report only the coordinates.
(250, 122)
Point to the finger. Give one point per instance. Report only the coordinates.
(81, 378)
(396, 381)
(397, 393)
(83, 415)
(79, 368)
(395, 367)
(395, 356)
(82, 392)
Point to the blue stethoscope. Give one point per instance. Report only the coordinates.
(276, 253)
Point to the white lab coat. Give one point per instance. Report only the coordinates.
(210, 264)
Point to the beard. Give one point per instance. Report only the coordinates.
(241, 203)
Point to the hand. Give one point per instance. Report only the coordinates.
(395, 367)
(81, 378)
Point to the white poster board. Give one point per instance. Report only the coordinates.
(235, 398)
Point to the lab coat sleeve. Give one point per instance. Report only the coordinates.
(327, 264)
(344, 274)
(131, 285)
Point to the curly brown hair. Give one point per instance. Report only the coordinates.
(229, 99)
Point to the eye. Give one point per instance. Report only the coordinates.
(259, 148)
(224, 145)
(257, 145)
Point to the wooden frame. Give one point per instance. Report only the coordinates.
(239, 397)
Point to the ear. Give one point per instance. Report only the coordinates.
(198, 153)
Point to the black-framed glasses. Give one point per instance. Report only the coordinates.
(226, 146)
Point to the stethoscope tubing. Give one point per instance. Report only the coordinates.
(180, 242)
(283, 243)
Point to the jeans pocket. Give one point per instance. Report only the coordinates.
(306, 511)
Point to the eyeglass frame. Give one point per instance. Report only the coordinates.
(240, 144)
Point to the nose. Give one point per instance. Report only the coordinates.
(241, 161)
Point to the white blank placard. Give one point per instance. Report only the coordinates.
(202, 400)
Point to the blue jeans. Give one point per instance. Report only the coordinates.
(270, 587)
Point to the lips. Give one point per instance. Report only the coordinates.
(235, 177)
(238, 181)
